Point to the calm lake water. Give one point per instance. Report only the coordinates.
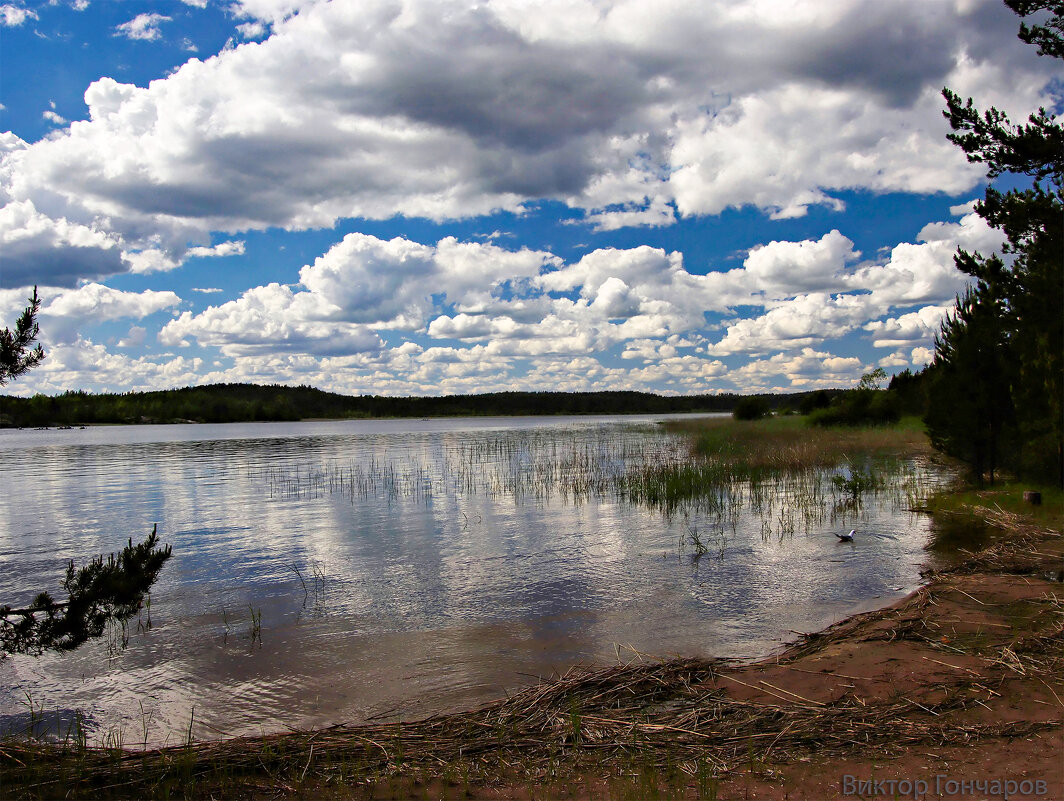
(399, 568)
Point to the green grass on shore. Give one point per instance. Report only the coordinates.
(1007, 497)
(727, 454)
(790, 443)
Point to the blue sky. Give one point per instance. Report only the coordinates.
(423, 197)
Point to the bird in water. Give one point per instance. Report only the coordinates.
(847, 537)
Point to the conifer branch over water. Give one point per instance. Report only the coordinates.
(101, 592)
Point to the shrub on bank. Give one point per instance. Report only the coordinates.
(864, 405)
(879, 409)
(751, 408)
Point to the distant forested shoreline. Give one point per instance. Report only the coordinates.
(233, 403)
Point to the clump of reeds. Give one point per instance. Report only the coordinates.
(788, 443)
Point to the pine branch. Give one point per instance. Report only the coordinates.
(1046, 37)
(98, 593)
(16, 357)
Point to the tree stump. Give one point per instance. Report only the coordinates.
(1033, 498)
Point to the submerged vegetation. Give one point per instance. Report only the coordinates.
(782, 462)
(716, 474)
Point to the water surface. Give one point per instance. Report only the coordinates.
(399, 568)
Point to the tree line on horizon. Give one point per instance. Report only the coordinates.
(993, 395)
(228, 403)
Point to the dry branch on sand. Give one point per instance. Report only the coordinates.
(663, 712)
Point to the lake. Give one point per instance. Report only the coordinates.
(329, 572)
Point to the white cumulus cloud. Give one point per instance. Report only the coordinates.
(63, 315)
(143, 26)
(11, 16)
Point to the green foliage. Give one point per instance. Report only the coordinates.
(16, 355)
(856, 483)
(996, 386)
(812, 401)
(971, 415)
(910, 392)
(98, 593)
(227, 403)
(864, 405)
(753, 407)
(870, 382)
(1047, 37)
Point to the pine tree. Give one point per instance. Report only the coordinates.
(1018, 298)
(971, 415)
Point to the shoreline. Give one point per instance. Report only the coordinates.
(679, 415)
(933, 685)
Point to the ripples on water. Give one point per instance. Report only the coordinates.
(407, 567)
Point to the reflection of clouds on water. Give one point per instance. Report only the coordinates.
(444, 561)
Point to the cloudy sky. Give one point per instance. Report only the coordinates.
(427, 197)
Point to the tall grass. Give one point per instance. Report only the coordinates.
(780, 468)
(788, 443)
